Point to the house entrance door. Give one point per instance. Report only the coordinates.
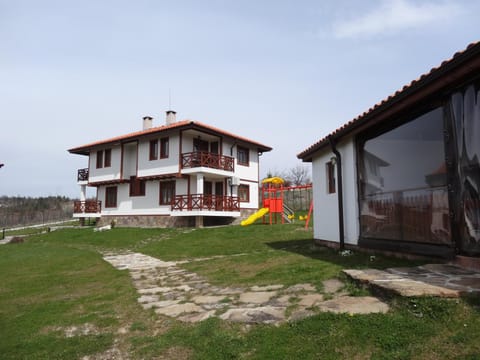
(207, 195)
(219, 195)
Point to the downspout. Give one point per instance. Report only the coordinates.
(338, 158)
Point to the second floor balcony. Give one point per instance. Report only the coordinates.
(207, 159)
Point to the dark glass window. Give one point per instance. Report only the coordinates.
(99, 159)
(330, 177)
(164, 148)
(244, 193)
(242, 156)
(111, 197)
(137, 186)
(108, 158)
(167, 192)
(403, 194)
(153, 150)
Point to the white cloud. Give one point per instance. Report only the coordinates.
(396, 15)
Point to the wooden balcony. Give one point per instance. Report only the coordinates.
(82, 174)
(87, 207)
(200, 202)
(207, 159)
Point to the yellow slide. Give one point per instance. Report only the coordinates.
(254, 217)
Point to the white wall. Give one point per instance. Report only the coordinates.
(253, 203)
(129, 160)
(170, 165)
(249, 172)
(135, 205)
(325, 218)
(105, 173)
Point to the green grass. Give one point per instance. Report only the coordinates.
(57, 281)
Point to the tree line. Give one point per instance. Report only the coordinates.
(20, 210)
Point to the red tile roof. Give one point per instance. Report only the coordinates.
(180, 125)
(449, 72)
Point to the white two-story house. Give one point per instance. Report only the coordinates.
(182, 173)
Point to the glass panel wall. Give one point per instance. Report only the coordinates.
(403, 183)
(465, 111)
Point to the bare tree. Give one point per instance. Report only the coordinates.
(299, 175)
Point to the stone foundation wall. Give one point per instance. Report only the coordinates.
(166, 221)
(148, 221)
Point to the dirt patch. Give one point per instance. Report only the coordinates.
(17, 240)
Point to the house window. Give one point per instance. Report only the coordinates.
(104, 160)
(99, 159)
(107, 161)
(244, 193)
(111, 197)
(137, 186)
(167, 192)
(164, 147)
(330, 170)
(154, 149)
(242, 156)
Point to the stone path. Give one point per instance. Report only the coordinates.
(172, 291)
(442, 280)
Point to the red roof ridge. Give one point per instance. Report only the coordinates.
(152, 130)
(132, 135)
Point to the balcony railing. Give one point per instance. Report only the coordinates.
(87, 207)
(82, 175)
(207, 159)
(205, 202)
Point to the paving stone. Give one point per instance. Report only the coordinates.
(309, 300)
(300, 315)
(447, 269)
(257, 297)
(266, 288)
(185, 288)
(164, 303)
(354, 305)
(207, 299)
(155, 290)
(147, 299)
(468, 282)
(230, 291)
(197, 317)
(332, 286)
(265, 315)
(300, 287)
(282, 300)
(178, 309)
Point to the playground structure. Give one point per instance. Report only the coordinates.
(273, 204)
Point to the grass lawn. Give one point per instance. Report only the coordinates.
(60, 300)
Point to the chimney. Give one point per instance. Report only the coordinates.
(171, 117)
(147, 122)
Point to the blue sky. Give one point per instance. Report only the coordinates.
(284, 73)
